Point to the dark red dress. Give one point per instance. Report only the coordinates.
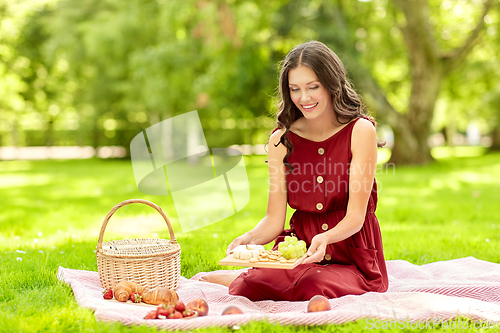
(318, 189)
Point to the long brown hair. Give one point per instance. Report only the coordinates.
(331, 73)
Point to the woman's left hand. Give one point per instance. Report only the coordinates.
(317, 250)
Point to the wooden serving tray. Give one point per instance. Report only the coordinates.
(230, 260)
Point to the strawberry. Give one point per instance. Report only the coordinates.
(151, 315)
(135, 297)
(180, 306)
(187, 313)
(107, 293)
(165, 310)
(176, 315)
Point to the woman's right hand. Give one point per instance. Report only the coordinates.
(244, 239)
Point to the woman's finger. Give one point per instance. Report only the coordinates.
(312, 259)
(230, 250)
(312, 248)
(231, 246)
(315, 253)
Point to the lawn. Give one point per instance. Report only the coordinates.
(51, 213)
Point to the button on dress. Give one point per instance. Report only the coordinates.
(353, 266)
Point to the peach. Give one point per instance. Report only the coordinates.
(232, 309)
(198, 305)
(318, 303)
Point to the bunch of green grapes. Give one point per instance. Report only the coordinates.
(292, 247)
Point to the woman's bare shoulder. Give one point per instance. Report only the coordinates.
(363, 131)
(363, 125)
(298, 125)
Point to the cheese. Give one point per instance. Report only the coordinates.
(246, 252)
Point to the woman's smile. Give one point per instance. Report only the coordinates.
(309, 107)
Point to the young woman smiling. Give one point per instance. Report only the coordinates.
(322, 122)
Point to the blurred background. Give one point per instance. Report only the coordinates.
(91, 74)
(79, 79)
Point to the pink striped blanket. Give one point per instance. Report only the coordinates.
(444, 290)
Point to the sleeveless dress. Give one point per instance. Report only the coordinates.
(318, 188)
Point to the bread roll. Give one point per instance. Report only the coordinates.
(124, 288)
(160, 295)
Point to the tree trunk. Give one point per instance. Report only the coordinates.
(15, 134)
(411, 135)
(495, 136)
(451, 129)
(495, 144)
(96, 132)
(49, 132)
(428, 64)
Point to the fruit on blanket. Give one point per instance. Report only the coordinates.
(135, 297)
(125, 288)
(198, 305)
(232, 309)
(176, 315)
(188, 313)
(107, 293)
(168, 311)
(165, 310)
(160, 295)
(151, 315)
(318, 303)
(180, 306)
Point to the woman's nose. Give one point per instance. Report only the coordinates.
(304, 98)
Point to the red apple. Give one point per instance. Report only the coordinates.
(199, 305)
(318, 303)
(230, 310)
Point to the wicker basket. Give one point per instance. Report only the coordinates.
(150, 262)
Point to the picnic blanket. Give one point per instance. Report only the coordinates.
(442, 290)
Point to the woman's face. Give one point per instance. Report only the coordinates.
(308, 94)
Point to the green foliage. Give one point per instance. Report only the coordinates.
(96, 73)
(473, 93)
(52, 212)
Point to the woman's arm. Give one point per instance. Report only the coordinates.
(361, 175)
(274, 222)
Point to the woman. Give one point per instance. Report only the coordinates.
(322, 161)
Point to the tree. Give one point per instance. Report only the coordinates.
(429, 66)
(391, 52)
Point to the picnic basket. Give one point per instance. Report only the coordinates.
(150, 262)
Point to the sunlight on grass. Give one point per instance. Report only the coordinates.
(53, 210)
(458, 151)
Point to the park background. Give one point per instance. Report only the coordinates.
(90, 75)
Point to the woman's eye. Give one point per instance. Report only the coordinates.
(315, 87)
(294, 89)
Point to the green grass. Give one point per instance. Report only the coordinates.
(51, 212)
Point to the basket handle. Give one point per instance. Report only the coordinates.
(128, 202)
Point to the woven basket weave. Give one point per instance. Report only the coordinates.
(150, 262)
